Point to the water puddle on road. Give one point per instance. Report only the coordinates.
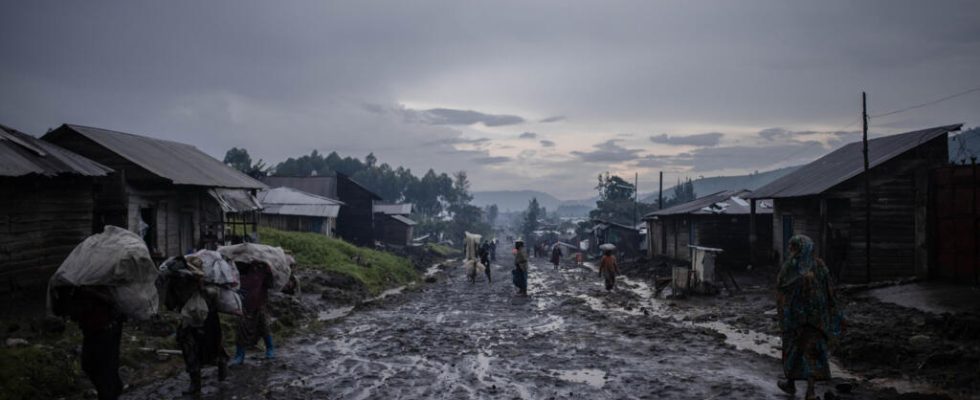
(592, 377)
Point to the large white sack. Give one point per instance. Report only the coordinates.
(275, 257)
(195, 310)
(225, 300)
(116, 258)
(471, 242)
(216, 269)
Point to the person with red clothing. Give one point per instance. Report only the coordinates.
(256, 281)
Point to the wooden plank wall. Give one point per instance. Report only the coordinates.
(41, 221)
(731, 233)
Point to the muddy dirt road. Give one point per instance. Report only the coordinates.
(457, 340)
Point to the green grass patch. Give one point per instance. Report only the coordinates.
(376, 270)
(443, 250)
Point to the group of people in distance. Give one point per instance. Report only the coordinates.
(608, 267)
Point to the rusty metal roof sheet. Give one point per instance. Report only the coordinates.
(847, 162)
(726, 202)
(22, 154)
(179, 163)
(235, 200)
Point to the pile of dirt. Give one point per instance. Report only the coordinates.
(886, 340)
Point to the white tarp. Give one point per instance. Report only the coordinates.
(607, 246)
(118, 259)
(275, 257)
(472, 264)
(216, 269)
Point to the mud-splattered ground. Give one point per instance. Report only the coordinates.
(451, 339)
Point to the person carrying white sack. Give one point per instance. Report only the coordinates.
(106, 279)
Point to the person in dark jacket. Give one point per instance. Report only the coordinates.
(520, 268)
(101, 323)
(200, 341)
(256, 281)
(556, 255)
(484, 254)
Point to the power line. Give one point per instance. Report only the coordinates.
(952, 96)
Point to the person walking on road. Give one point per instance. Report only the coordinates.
(485, 259)
(520, 268)
(101, 323)
(556, 255)
(256, 281)
(608, 269)
(199, 334)
(810, 320)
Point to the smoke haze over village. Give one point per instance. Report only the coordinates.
(541, 95)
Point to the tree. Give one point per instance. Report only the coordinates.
(492, 213)
(683, 193)
(240, 159)
(531, 216)
(617, 202)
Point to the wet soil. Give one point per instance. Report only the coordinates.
(885, 346)
(459, 340)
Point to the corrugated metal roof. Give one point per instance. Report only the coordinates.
(393, 209)
(180, 163)
(235, 200)
(323, 185)
(22, 154)
(847, 162)
(403, 219)
(289, 201)
(726, 202)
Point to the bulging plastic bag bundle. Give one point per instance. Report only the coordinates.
(225, 300)
(275, 257)
(195, 311)
(216, 270)
(115, 258)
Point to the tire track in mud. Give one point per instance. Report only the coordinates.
(452, 339)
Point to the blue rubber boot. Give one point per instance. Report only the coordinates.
(239, 356)
(270, 349)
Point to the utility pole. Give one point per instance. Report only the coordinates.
(660, 199)
(636, 197)
(867, 190)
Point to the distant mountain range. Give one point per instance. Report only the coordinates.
(961, 146)
(514, 200)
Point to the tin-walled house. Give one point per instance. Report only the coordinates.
(393, 225)
(294, 210)
(355, 222)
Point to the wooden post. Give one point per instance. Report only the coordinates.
(636, 198)
(867, 190)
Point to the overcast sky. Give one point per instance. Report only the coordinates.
(522, 95)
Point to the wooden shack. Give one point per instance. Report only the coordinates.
(393, 225)
(826, 201)
(172, 194)
(719, 220)
(626, 238)
(46, 206)
(355, 222)
(294, 210)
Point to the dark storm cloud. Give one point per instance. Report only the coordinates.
(701, 139)
(462, 140)
(754, 157)
(547, 143)
(492, 160)
(608, 152)
(283, 78)
(528, 135)
(447, 116)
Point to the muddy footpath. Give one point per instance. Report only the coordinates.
(448, 338)
(899, 352)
